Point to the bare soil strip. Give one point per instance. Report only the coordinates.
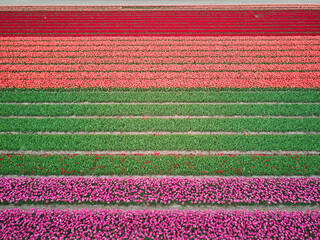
(162, 117)
(158, 103)
(167, 7)
(287, 208)
(146, 152)
(162, 133)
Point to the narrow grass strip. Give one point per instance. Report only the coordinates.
(158, 96)
(160, 191)
(11, 142)
(172, 165)
(154, 124)
(161, 110)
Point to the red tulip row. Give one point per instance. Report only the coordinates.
(161, 23)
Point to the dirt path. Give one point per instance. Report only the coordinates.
(158, 103)
(162, 117)
(288, 208)
(162, 133)
(162, 152)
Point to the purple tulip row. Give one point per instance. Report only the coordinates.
(160, 190)
(141, 224)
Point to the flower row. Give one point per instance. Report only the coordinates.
(77, 58)
(95, 164)
(160, 190)
(156, 40)
(160, 79)
(162, 41)
(161, 68)
(142, 224)
(175, 47)
(141, 33)
(124, 56)
(180, 54)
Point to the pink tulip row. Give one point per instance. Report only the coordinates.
(170, 48)
(161, 190)
(179, 54)
(161, 68)
(161, 60)
(155, 40)
(141, 224)
(160, 79)
(159, 42)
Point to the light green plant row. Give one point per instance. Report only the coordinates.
(89, 142)
(221, 165)
(156, 124)
(161, 110)
(175, 95)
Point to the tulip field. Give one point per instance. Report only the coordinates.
(160, 122)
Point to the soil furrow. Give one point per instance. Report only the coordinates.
(162, 133)
(156, 103)
(162, 117)
(145, 152)
(287, 208)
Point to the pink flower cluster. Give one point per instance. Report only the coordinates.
(161, 190)
(141, 224)
(160, 62)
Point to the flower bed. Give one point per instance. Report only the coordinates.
(118, 224)
(160, 190)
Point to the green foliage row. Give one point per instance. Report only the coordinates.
(160, 110)
(158, 124)
(87, 142)
(149, 95)
(220, 165)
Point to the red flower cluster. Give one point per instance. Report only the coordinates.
(160, 23)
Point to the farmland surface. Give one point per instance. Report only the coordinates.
(168, 122)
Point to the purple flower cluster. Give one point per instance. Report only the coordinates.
(161, 190)
(139, 224)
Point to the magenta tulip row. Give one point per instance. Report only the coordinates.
(161, 190)
(142, 224)
(163, 68)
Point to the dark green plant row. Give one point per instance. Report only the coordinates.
(220, 165)
(160, 110)
(175, 95)
(87, 142)
(158, 124)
